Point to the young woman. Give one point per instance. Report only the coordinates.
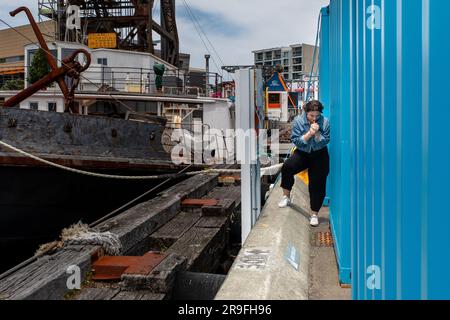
(310, 135)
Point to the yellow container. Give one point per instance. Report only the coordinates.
(304, 174)
(304, 177)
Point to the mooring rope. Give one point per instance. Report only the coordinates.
(264, 171)
(82, 234)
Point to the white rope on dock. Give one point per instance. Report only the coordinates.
(264, 171)
(81, 234)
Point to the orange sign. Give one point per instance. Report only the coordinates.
(102, 40)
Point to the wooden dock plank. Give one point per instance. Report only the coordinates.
(178, 225)
(227, 192)
(167, 235)
(212, 222)
(202, 247)
(105, 293)
(199, 240)
(46, 279)
(139, 295)
(97, 294)
(136, 224)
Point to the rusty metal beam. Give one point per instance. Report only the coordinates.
(112, 268)
(198, 203)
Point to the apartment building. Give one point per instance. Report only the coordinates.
(296, 60)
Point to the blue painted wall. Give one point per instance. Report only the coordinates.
(335, 94)
(388, 64)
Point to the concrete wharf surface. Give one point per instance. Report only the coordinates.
(281, 259)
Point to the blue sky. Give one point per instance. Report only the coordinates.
(234, 27)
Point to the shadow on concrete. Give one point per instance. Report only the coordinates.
(300, 210)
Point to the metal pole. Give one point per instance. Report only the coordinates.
(178, 81)
(246, 150)
(207, 57)
(217, 88)
(103, 75)
(140, 81)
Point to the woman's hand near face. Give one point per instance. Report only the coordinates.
(315, 127)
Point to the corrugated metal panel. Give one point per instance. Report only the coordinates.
(324, 61)
(336, 95)
(390, 150)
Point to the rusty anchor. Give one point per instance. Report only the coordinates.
(69, 68)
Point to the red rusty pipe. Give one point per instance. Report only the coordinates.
(17, 99)
(72, 57)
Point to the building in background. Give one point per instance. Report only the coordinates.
(12, 58)
(295, 60)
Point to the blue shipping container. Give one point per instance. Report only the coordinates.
(385, 83)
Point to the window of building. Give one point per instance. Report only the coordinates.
(274, 98)
(52, 106)
(268, 55)
(275, 62)
(298, 68)
(278, 54)
(296, 76)
(286, 54)
(102, 61)
(297, 51)
(34, 105)
(297, 60)
(286, 62)
(12, 59)
(286, 69)
(286, 76)
(259, 56)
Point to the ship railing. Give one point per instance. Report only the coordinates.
(216, 143)
(127, 79)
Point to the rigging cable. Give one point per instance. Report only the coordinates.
(314, 57)
(203, 31)
(197, 27)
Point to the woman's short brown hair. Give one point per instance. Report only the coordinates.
(313, 105)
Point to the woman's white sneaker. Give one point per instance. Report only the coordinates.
(285, 202)
(314, 221)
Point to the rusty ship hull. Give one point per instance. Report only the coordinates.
(37, 200)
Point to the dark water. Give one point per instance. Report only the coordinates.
(37, 203)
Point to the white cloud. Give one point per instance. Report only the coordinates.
(266, 24)
(263, 23)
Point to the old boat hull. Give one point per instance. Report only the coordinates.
(38, 201)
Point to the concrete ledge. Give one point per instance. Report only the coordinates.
(273, 263)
